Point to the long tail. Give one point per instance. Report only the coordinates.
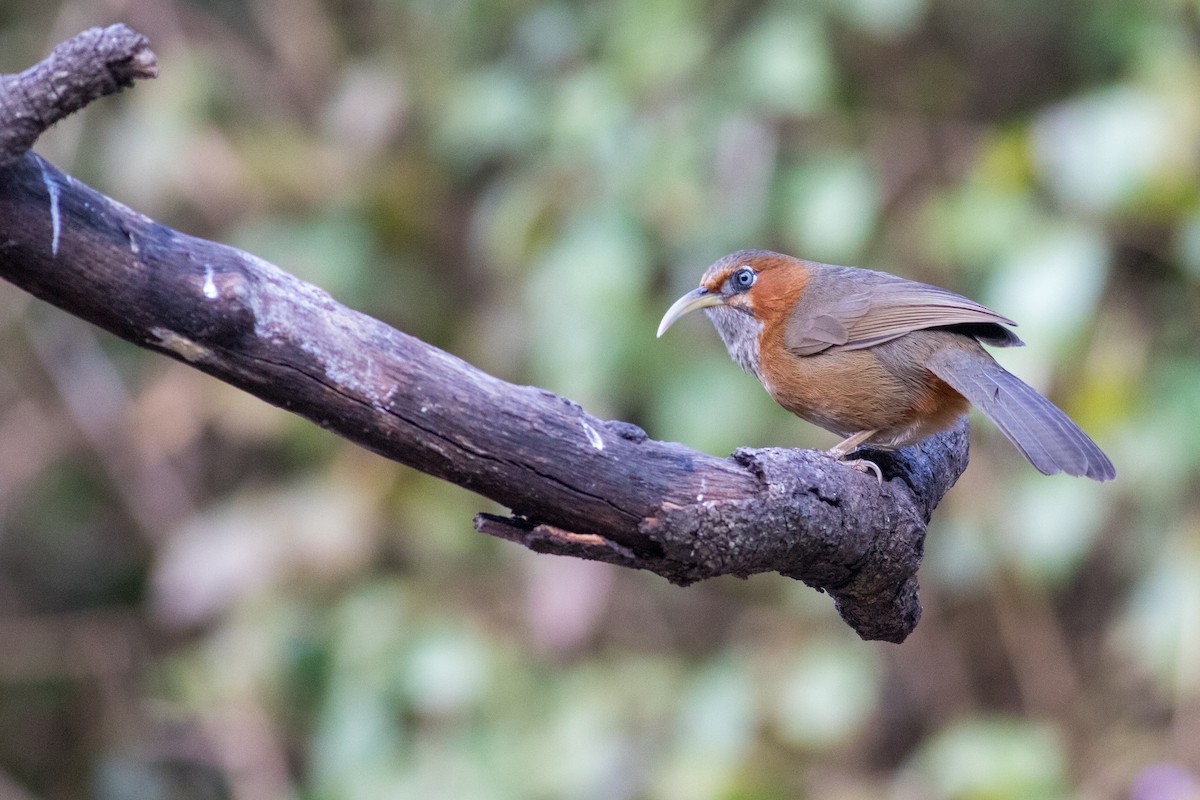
(1039, 429)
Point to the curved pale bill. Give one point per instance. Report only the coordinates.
(697, 298)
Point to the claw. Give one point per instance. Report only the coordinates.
(843, 448)
(863, 465)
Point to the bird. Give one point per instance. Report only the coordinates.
(880, 360)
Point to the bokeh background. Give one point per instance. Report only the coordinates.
(204, 597)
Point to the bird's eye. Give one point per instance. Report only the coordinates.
(743, 279)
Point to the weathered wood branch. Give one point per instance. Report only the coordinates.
(95, 63)
(577, 485)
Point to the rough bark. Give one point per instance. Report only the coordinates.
(577, 485)
(95, 63)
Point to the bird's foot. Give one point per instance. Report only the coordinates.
(863, 465)
(843, 448)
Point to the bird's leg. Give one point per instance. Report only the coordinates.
(846, 446)
(843, 448)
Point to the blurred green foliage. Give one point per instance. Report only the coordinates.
(201, 597)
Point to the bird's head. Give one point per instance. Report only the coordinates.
(759, 283)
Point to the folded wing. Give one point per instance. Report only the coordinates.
(849, 309)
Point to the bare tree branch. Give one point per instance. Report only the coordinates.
(95, 63)
(577, 485)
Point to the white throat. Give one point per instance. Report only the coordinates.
(739, 330)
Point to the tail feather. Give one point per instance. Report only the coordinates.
(1038, 428)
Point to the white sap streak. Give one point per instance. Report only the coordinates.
(55, 218)
(210, 286)
(592, 435)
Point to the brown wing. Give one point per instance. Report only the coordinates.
(849, 309)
